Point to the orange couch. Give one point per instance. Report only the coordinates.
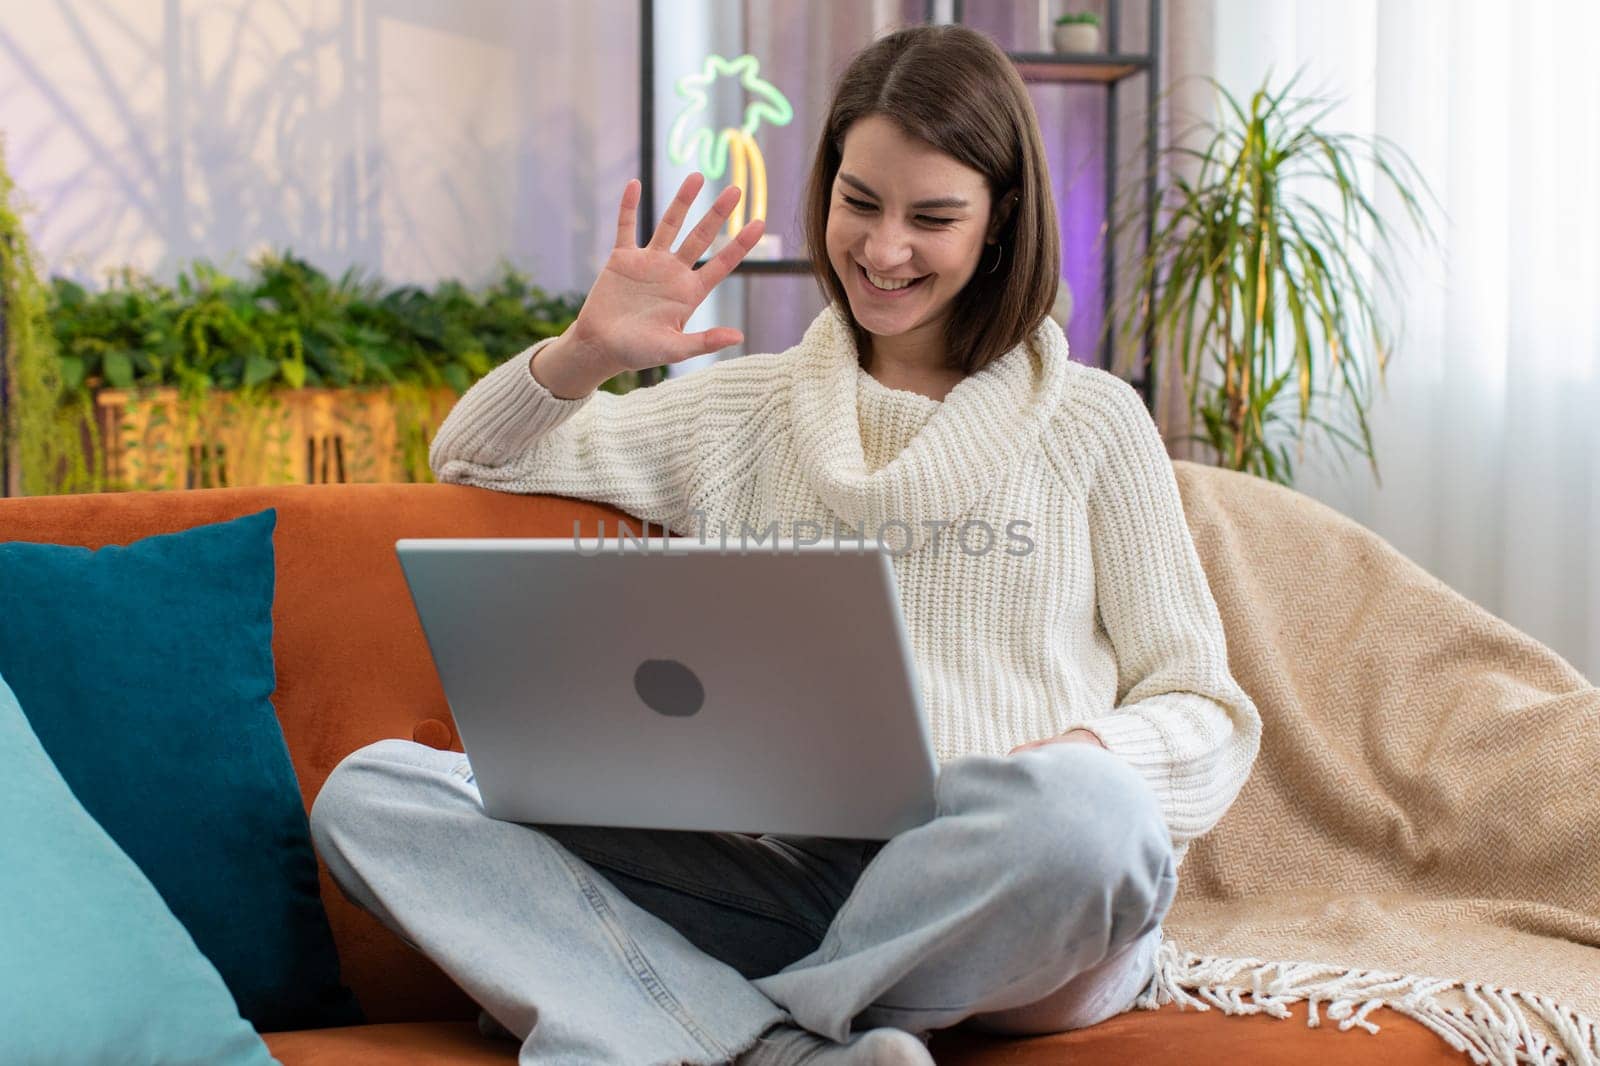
(353, 667)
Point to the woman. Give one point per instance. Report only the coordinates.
(1077, 687)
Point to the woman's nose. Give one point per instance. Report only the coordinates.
(887, 246)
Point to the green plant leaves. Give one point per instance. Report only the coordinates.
(72, 371)
(119, 370)
(1251, 276)
(258, 369)
(284, 325)
(289, 325)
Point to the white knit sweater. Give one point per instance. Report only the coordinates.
(1105, 623)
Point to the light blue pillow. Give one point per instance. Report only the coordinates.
(93, 965)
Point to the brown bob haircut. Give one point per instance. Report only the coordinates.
(953, 88)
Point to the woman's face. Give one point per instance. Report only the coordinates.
(903, 209)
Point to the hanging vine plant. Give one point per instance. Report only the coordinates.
(49, 441)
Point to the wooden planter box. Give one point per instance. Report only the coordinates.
(155, 440)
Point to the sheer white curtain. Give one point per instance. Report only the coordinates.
(1488, 436)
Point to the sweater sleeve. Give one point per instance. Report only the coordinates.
(1180, 718)
(633, 451)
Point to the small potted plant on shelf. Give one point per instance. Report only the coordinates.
(1077, 31)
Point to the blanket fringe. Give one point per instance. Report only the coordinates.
(1497, 1027)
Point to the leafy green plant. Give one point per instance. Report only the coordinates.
(1256, 281)
(288, 325)
(1086, 17)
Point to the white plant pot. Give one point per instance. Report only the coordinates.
(1076, 37)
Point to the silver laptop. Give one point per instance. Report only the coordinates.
(674, 684)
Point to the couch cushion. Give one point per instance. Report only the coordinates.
(1208, 1038)
(82, 926)
(146, 672)
(1138, 1038)
(405, 1044)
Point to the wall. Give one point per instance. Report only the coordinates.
(415, 139)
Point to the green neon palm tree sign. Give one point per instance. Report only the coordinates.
(733, 146)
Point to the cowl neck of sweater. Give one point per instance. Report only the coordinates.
(987, 423)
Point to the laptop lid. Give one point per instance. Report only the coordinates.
(679, 684)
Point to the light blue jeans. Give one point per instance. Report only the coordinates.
(1031, 902)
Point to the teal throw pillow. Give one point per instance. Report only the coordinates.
(145, 672)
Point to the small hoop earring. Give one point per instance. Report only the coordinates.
(999, 249)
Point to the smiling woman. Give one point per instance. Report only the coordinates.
(905, 255)
(908, 187)
(1077, 692)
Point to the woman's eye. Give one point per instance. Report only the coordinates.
(927, 220)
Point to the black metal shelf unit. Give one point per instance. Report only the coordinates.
(1109, 69)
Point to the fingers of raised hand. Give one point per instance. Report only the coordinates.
(705, 342)
(628, 215)
(677, 210)
(698, 241)
(721, 265)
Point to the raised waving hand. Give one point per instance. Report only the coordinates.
(634, 315)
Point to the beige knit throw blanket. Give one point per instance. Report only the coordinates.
(1422, 828)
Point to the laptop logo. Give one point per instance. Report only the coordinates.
(668, 687)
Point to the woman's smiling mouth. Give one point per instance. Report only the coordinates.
(899, 289)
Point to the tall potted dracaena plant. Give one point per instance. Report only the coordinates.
(1258, 286)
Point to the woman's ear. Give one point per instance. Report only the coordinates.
(1002, 213)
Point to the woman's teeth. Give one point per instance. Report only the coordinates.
(889, 284)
